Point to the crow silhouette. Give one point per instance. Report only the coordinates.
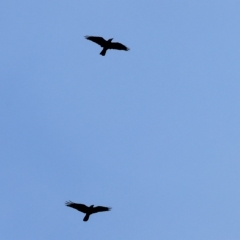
(107, 44)
(85, 209)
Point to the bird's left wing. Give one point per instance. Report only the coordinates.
(118, 46)
(80, 207)
(100, 209)
(99, 40)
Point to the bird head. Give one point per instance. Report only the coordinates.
(91, 206)
(109, 40)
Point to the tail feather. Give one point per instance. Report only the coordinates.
(86, 217)
(103, 52)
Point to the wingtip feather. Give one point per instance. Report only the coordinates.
(67, 203)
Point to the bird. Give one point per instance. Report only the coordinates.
(87, 210)
(107, 44)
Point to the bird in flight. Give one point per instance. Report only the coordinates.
(107, 44)
(87, 210)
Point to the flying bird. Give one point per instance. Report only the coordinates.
(87, 210)
(107, 44)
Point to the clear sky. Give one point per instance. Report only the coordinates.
(153, 133)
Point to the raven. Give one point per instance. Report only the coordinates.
(107, 44)
(85, 209)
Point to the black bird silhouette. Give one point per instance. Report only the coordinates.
(85, 209)
(107, 44)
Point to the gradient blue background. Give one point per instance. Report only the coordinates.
(153, 133)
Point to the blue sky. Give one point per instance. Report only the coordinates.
(153, 133)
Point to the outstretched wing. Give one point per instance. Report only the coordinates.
(118, 46)
(99, 40)
(80, 207)
(100, 209)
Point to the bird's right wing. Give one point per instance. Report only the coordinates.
(99, 40)
(100, 209)
(80, 207)
(118, 46)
